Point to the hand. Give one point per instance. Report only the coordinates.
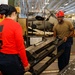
(27, 67)
(65, 39)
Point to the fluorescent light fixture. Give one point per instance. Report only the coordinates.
(66, 4)
(32, 7)
(47, 0)
(67, 12)
(43, 7)
(72, 10)
(46, 3)
(61, 7)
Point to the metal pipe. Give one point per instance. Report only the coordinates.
(50, 61)
(42, 56)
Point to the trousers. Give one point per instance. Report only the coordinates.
(63, 60)
(10, 64)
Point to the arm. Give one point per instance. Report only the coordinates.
(71, 28)
(71, 32)
(20, 45)
(54, 32)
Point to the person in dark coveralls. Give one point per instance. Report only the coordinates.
(63, 30)
(13, 59)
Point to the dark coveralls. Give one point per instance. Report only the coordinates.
(63, 60)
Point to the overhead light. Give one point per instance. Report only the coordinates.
(43, 7)
(66, 4)
(47, 0)
(71, 10)
(32, 7)
(61, 7)
(67, 12)
(46, 3)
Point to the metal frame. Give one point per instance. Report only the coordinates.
(43, 52)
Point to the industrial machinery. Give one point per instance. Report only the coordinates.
(45, 49)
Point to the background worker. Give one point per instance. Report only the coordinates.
(13, 59)
(64, 31)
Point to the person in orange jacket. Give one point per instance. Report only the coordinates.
(63, 30)
(13, 59)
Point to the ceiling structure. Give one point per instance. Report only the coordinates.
(68, 6)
